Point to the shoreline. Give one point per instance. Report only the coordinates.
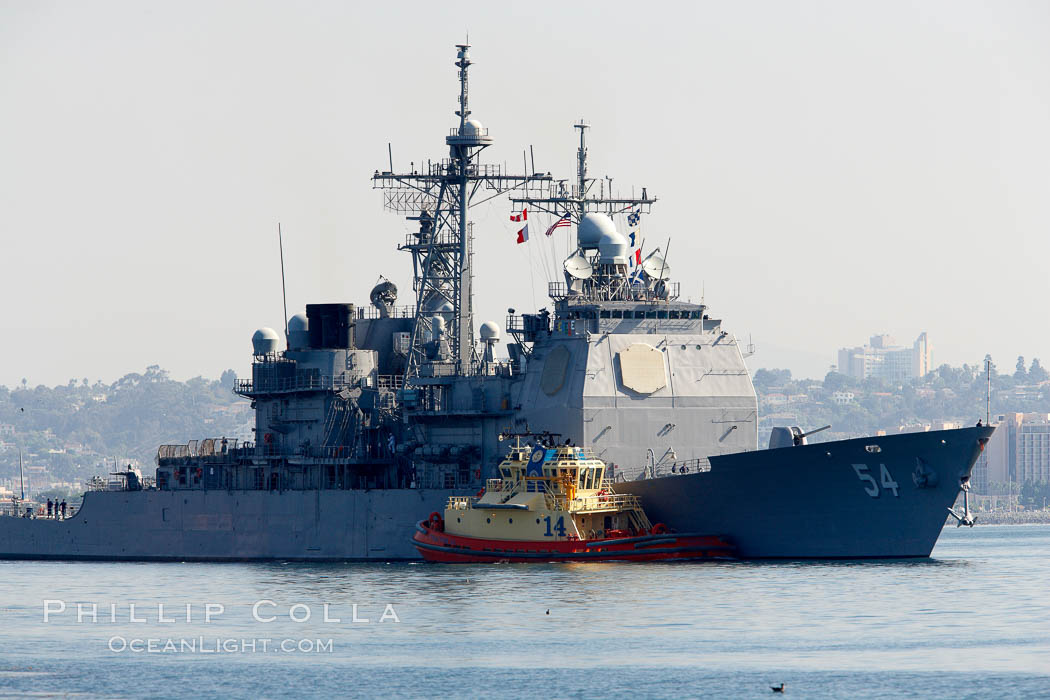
(1024, 517)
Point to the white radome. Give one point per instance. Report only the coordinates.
(489, 331)
(591, 229)
(265, 341)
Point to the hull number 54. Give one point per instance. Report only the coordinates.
(871, 487)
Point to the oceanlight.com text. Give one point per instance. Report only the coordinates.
(218, 645)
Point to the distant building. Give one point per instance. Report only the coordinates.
(6, 430)
(884, 359)
(842, 397)
(1018, 451)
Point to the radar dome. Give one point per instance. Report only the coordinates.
(265, 341)
(612, 248)
(591, 229)
(473, 127)
(439, 305)
(298, 332)
(489, 332)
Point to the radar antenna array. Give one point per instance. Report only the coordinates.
(580, 198)
(439, 197)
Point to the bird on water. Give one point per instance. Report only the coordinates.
(777, 688)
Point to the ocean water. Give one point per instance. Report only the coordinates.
(971, 622)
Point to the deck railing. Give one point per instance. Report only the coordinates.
(461, 502)
(606, 501)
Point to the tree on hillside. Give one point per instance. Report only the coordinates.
(227, 379)
(1020, 373)
(836, 381)
(1036, 373)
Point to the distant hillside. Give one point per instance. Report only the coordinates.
(71, 430)
(856, 407)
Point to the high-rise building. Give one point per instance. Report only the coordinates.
(1018, 451)
(884, 359)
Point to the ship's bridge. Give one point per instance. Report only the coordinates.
(575, 317)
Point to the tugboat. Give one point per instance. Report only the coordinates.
(554, 504)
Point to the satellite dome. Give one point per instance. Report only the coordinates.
(592, 227)
(489, 332)
(265, 341)
(439, 305)
(472, 127)
(298, 332)
(612, 248)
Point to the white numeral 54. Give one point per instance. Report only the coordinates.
(872, 488)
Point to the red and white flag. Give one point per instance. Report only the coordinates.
(523, 234)
(563, 221)
(523, 216)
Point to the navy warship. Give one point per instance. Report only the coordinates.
(367, 417)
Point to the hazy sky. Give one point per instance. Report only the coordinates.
(826, 170)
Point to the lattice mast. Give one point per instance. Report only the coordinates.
(439, 198)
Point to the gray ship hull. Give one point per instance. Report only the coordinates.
(812, 502)
(829, 500)
(198, 525)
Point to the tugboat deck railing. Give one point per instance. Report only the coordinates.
(461, 502)
(605, 502)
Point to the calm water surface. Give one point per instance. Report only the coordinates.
(973, 621)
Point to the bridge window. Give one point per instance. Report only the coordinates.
(639, 314)
(673, 314)
(605, 313)
(661, 314)
(617, 313)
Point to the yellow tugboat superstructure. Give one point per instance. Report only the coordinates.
(563, 491)
(553, 503)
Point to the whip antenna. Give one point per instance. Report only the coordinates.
(284, 292)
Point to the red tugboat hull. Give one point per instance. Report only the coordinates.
(438, 546)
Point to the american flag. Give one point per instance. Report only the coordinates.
(563, 221)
